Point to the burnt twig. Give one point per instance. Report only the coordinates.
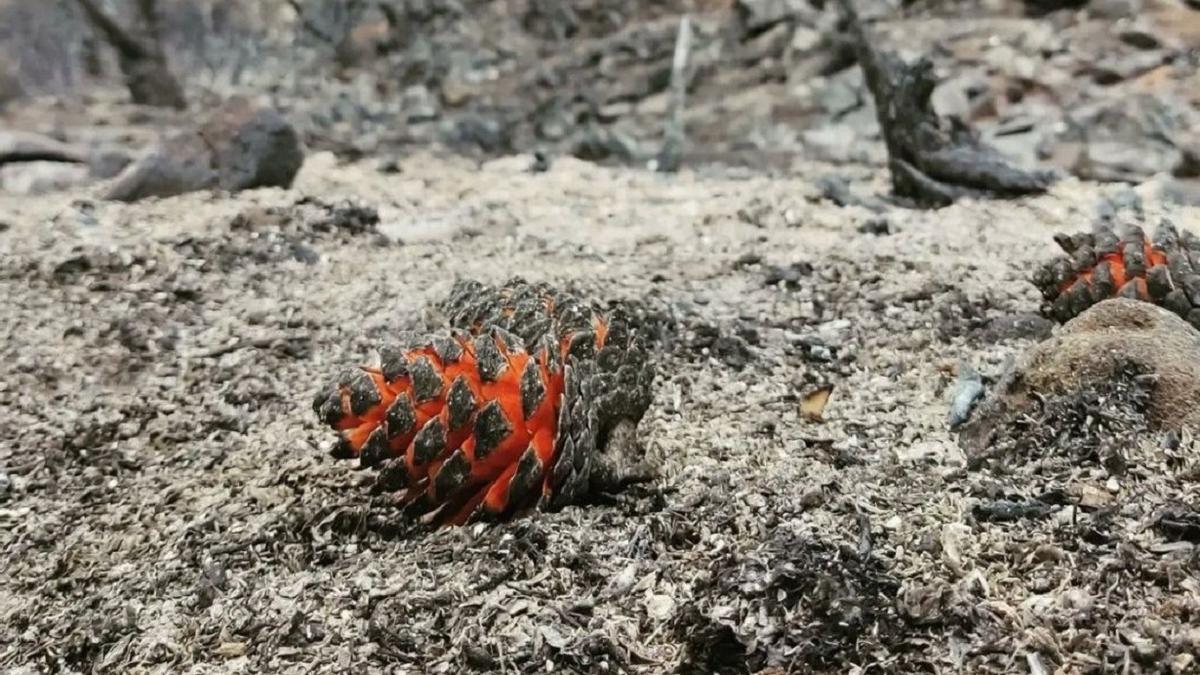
(672, 151)
(933, 161)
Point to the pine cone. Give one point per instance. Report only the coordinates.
(1123, 262)
(483, 424)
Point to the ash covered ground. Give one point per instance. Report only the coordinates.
(167, 503)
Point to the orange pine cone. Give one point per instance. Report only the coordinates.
(1126, 263)
(483, 425)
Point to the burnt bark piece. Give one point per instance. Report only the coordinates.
(933, 161)
(239, 146)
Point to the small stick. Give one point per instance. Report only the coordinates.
(672, 151)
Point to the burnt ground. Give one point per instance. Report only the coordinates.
(167, 503)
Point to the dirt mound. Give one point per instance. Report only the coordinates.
(1120, 369)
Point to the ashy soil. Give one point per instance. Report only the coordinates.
(167, 503)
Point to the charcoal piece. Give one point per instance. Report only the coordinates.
(392, 363)
(1158, 283)
(933, 161)
(1104, 284)
(1135, 258)
(1007, 511)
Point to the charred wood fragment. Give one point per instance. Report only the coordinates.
(933, 161)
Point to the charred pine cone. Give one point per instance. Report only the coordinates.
(530, 399)
(1123, 262)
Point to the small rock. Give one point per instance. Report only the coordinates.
(106, 164)
(418, 104)
(1140, 37)
(485, 133)
(239, 147)
(759, 15)
(1115, 9)
(967, 391)
(876, 226)
(660, 607)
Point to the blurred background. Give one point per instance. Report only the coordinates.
(1106, 90)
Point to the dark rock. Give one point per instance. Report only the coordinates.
(239, 147)
(486, 133)
(788, 277)
(1140, 37)
(1120, 67)
(877, 226)
(1008, 511)
(253, 147)
(757, 16)
(177, 165)
(106, 164)
(1189, 159)
(1131, 138)
(1037, 7)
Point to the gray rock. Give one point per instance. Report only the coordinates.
(254, 147)
(1123, 161)
(419, 105)
(1130, 138)
(239, 147)
(758, 15)
(1115, 9)
(1179, 191)
(967, 391)
(105, 164)
(178, 165)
